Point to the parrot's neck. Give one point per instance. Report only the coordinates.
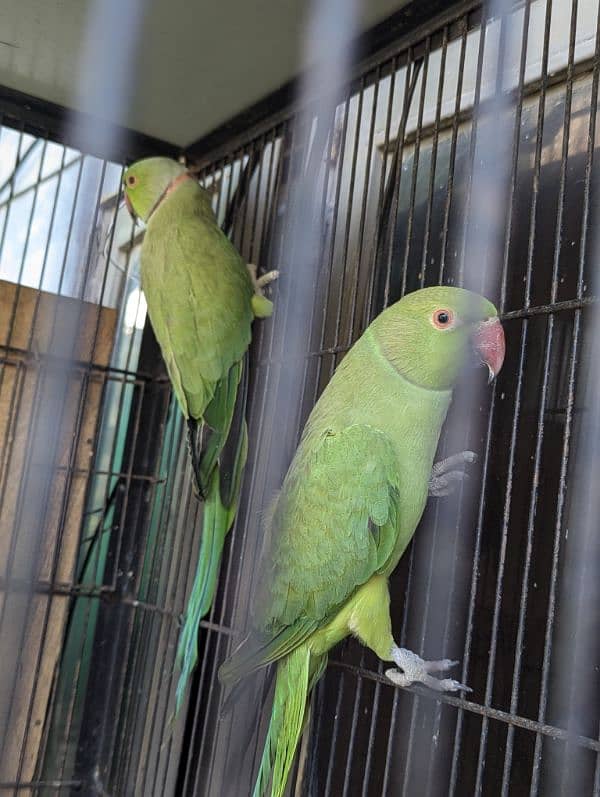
(181, 178)
(411, 415)
(413, 420)
(177, 181)
(414, 414)
(182, 198)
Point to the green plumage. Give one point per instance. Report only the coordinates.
(350, 503)
(199, 295)
(201, 303)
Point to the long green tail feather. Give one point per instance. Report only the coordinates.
(297, 673)
(214, 530)
(219, 512)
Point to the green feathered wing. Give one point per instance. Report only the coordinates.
(339, 507)
(199, 296)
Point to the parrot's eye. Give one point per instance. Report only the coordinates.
(442, 319)
(131, 180)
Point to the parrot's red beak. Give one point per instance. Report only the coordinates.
(488, 342)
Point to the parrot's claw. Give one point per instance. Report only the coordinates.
(261, 306)
(262, 281)
(439, 665)
(267, 278)
(446, 484)
(414, 669)
(453, 461)
(445, 476)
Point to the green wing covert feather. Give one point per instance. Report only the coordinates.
(199, 300)
(218, 417)
(258, 650)
(338, 506)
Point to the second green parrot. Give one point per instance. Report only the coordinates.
(202, 298)
(351, 501)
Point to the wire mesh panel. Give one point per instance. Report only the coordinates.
(98, 523)
(393, 191)
(73, 395)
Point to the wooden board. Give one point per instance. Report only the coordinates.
(53, 350)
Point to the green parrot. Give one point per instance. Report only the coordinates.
(351, 501)
(202, 298)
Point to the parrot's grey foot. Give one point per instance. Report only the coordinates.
(445, 475)
(414, 669)
(262, 281)
(261, 306)
(266, 279)
(446, 484)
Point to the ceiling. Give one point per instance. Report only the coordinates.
(173, 69)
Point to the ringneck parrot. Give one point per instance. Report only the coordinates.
(350, 503)
(202, 298)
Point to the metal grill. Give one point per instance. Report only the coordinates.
(395, 179)
(114, 529)
(79, 383)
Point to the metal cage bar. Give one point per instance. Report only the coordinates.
(339, 744)
(395, 166)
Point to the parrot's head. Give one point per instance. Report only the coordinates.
(147, 182)
(430, 334)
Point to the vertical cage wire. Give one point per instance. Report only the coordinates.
(364, 734)
(99, 613)
(70, 385)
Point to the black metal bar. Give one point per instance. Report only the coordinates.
(354, 330)
(533, 505)
(486, 461)
(225, 202)
(517, 412)
(565, 455)
(258, 404)
(46, 119)
(389, 219)
(23, 785)
(434, 156)
(133, 748)
(410, 25)
(360, 256)
(255, 157)
(176, 554)
(113, 624)
(42, 434)
(381, 193)
(476, 708)
(197, 733)
(415, 169)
